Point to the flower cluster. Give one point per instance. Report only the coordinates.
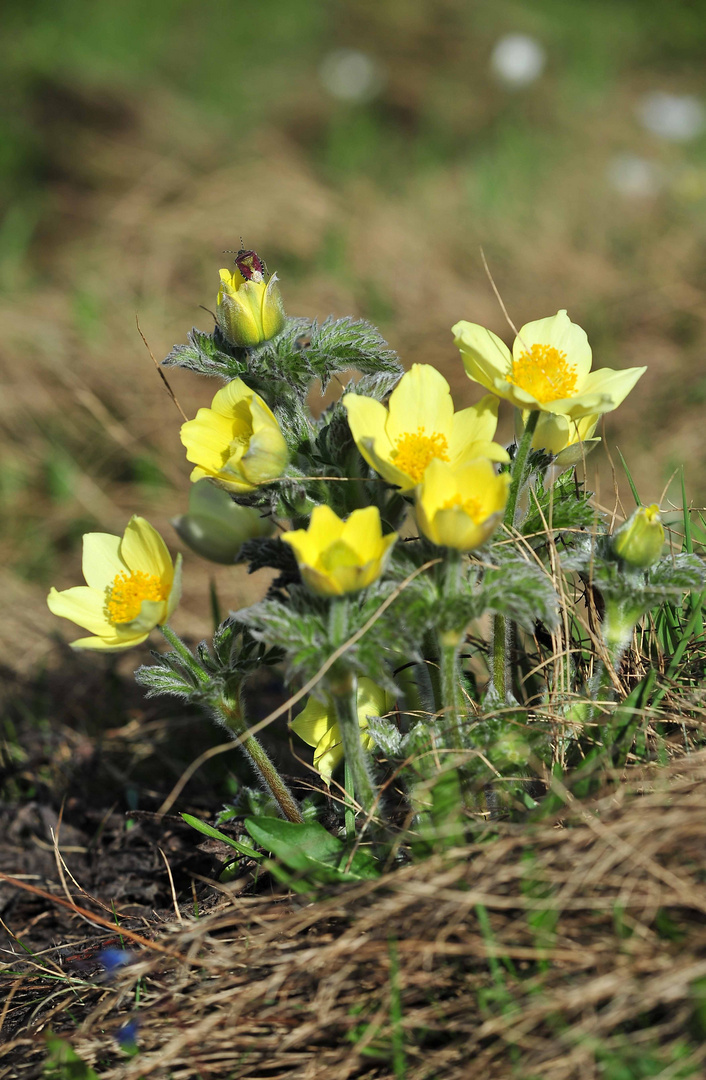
(337, 497)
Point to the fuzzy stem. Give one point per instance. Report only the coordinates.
(185, 653)
(345, 703)
(501, 626)
(230, 713)
(450, 641)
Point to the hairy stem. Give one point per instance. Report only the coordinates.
(501, 626)
(345, 703)
(450, 640)
(230, 714)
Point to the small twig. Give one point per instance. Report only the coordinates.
(161, 374)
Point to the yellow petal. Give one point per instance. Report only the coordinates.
(485, 357)
(101, 560)
(230, 397)
(611, 386)
(421, 399)
(329, 753)
(267, 453)
(142, 548)
(367, 419)
(83, 606)
(363, 533)
(272, 314)
(114, 644)
(313, 722)
(207, 438)
(563, 335)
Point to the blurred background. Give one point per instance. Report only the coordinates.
(367, 149)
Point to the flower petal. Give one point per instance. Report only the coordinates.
(362, 532)
(485, 357)
(421, 400)
(565, 336)
(611, 386)
(84, 606)
(101, 560)
(101, 644)
(313, 722)
(207, 438)
(143, 549)
(175, 593)
(367, 419)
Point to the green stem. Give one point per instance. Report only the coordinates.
(349, 815)
(501, 626)
(345, 703)
(450, 640)
(230, 713)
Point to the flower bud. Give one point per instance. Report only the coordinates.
(215, 527)
(249, 309)
(639, 540)
(337, 557)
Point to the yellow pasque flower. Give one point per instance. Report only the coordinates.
(131, 587)
(460, 507)
(337, 557)
(549, 368)
(420, 424)
(236, 442)
(216, 527)
(317, 725)
(249, 310)
(640, 539)
(568, 440)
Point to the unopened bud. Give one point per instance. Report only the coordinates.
(639, 541)
(249, 308)
(215, 527)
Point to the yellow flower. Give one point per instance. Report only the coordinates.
(460, 507)
(249, 310)
(337, 557)
(317, 725)
(568, 440)
(640, 539)
(236, 442)
(549, 368)
(131, 587)
(216, 527)
(419, 425)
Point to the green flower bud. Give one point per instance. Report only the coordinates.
(640, 539)
(249, 310)
(215, 527)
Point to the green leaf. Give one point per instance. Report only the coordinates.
(216, 834)
(310, 850)
(64, 1063)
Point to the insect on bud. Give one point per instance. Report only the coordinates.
(249, 308)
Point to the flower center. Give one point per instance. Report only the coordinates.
(469, 505)
(544, 373)
(413, 452)
(123, 599)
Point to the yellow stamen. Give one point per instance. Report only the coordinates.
(414, 452)
(544, 373)
(470, 506)
(124, 597)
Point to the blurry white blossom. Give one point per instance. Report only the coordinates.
(351, 75)
(634, 176)
(677, 117)
(517, 60)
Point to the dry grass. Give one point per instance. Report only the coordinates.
(551, 951)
